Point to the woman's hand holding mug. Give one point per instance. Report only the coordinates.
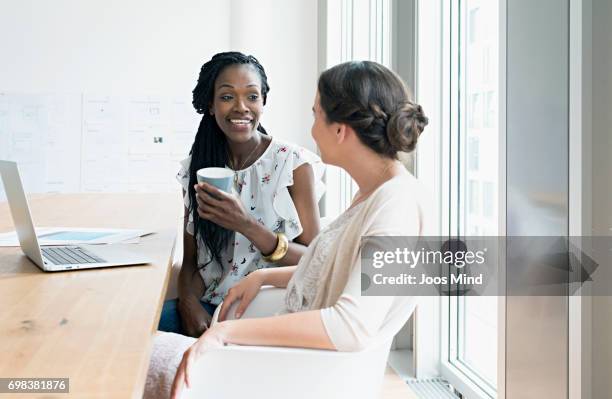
(221, 208)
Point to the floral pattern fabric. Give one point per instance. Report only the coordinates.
(302, 287)
(263, 190)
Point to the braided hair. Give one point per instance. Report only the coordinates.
(210, 148)
(375, 102)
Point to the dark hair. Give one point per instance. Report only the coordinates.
(210, 145)
(374, 101)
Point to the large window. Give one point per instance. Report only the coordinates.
(473, 43)
(456, 63)
(356, 30)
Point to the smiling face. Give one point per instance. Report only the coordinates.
(238, 103)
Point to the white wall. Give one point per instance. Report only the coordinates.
(57, 55)
(111, 46)
(283, 37)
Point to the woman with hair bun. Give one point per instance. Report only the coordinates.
(362, 118)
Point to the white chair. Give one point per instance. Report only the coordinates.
(279, 373)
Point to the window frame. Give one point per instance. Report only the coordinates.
(459, 375)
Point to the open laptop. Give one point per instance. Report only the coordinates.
(57, 258)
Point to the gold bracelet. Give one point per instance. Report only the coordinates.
(282, 246)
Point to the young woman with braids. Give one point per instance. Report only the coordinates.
(273, 210)
(362, 118)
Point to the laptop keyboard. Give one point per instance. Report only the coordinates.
(70, 255)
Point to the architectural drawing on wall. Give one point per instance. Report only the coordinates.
(42, 133)
(103, 144)
(134, 144)
(62, 127)
(185, 123)
(156, 141)
(148, 126)
(96, 143)
(25, 135)
(4, 133)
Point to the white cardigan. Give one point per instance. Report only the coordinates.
(399, 207)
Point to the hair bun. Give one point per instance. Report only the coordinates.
(374, 101)
(405, 126)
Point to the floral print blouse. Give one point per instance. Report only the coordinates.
(263, 190)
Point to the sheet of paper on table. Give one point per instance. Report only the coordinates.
(77, 235)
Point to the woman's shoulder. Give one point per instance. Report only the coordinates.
(280, 143)
(284, 149)
(288, 156)
(183, 174)
(408, 190)
(405, 183)
(402, 184)
(402, 198)
(185, 162)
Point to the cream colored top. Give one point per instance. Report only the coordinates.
(328, 276)
(302, 288)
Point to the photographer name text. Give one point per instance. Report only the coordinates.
(423, 279)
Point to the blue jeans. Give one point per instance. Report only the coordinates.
(170, 320)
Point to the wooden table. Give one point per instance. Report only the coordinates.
(95, 326)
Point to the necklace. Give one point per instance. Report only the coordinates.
(241, 165)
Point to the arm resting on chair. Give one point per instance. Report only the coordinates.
(278, 276)
(302, 329)
(249, 289)
(261, 326)
(297, 330)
